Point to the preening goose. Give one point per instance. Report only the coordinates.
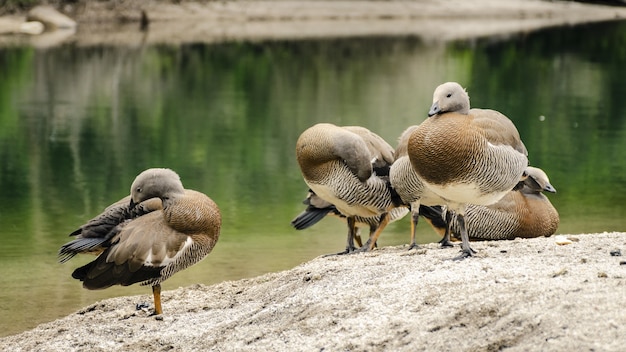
(466, 156)
(348, 167)
(160, 229)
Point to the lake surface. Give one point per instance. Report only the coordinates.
(77, 124)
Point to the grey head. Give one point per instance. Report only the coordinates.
(537, 181)
(156, 183)
(449, 97)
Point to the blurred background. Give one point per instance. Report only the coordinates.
(78, 123)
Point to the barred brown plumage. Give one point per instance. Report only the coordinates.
(525, 212)
(348, 167)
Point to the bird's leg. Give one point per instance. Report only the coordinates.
(466, 250)
(156, 292)
(352, 233)
(414, 219)
(445, 241)
(371, 242)
(373, 229)
(357, 237)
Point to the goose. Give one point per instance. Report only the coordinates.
(146, 237)
(525, 212)
(413, 192)
(466, 156)
(348, 167)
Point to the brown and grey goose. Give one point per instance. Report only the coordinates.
(348, 167)
(525, 212)
(160, 229)
(466, 156)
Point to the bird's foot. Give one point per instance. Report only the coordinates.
(414, 246)
(465, 253)
(445, 243)
(348, 250)
(363, 249)
(368, 246)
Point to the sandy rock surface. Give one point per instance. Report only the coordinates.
(519, 295)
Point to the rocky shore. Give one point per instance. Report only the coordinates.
(165, 22)
(520, 295)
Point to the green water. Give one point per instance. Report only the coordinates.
(78, 123)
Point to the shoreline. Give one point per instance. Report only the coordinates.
(118, 23)
(516, 295)
(570, 298)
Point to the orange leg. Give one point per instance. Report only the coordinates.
(156, 291)
(384, 220)
(414, 220)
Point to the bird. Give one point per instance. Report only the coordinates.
(318, 208)
(525, 212)
(349, 167)
(146, 237)
(466, 156)
(414, 193)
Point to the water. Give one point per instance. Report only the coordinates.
(78, 123)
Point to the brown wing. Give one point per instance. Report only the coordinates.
(138, 252)
(94, 236)
(498, 129)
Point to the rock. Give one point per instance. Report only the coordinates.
(10, 25)
(32, 27)
(51, 18)
(562, 240)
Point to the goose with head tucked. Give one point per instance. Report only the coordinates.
(525, 212)
(348, 167)
(160, 229)
(466, 156)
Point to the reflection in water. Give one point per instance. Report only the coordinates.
(77, 125)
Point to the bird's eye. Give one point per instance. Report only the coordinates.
(138, 189)
(449, 95)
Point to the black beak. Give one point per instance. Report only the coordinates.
(549, 188)
(434, 109)
(132, 204)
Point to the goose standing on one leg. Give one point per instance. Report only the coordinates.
(466, 156)
(159, 230)
(348, 167)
